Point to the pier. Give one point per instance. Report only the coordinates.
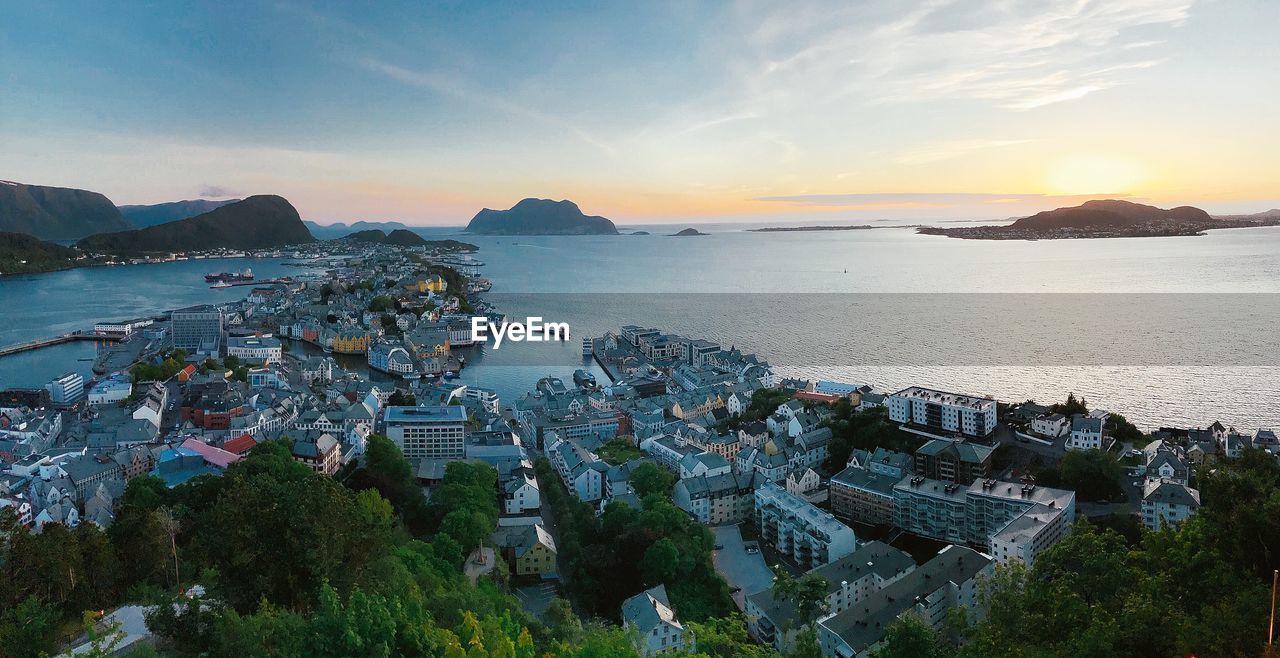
(39, 343)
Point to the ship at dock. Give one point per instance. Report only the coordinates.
(229, 277)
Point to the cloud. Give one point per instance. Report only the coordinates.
(463, 90)
(216, 192)
(1016, 56)
(950, 149)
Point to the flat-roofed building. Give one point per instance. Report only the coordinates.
(435, 432)
(930, 591)
(941, 411)
(808, 535)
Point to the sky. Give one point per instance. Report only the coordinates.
(650, 111)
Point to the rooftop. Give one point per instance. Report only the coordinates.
(943, 397)
(433, 414)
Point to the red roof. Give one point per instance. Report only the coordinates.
(240, 445)
(212, 456)
(816, 397)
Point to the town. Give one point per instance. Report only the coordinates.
(884, 502)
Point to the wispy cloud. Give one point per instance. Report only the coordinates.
(1017, 56)
(950, 149)
(215, 192)
(463, 90)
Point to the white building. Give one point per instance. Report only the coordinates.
(1012, 520)
(255, 349)
(943, 412)
(810, 536)
(1168, 503)
(67, 389)
(428, 432)
(1086, 433)
(930, 591)
(850, 580)
(658, 630)
(520, 494)
(1050, 425)
(111, 390)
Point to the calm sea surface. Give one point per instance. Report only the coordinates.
(647, 280)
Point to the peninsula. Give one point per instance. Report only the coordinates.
(1103, 219)
(258, 222)
(540, 217)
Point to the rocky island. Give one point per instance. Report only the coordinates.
(405, 238)
(540, 217)
(688, 232)
(1109, 218)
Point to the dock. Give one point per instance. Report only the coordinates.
(39, 343)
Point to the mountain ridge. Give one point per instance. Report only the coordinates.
(257, 222)
(144, 215)
(56, 213)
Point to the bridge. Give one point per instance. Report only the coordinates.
(30, 345)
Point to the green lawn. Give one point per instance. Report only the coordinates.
(618, 450)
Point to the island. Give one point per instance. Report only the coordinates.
(1109, 218)
(406, 238)
(687, 233)
(640, 233)
(258, 222)
(540, 217)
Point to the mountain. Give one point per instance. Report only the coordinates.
(21, 253)
(1109, 213)
(339, 229)
(405, 238)
(162, 213)
(1100, 219)
(371, 235)
(540, 217)
(258, 222)
(56, 213)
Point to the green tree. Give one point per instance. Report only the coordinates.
(910, 637)
(562, 621)
(650, 478)
(28, 629)
(808, 593)
(727, 637)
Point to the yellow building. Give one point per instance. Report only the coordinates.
(535, 552)
(433, 283)
(352, 343)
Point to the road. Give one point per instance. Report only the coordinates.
(748, 572)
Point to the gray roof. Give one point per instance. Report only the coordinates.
(873, 557)
(864, 624)
(648, 609)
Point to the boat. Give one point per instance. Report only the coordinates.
(246, 275)
(584, 379)
(221, 284)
